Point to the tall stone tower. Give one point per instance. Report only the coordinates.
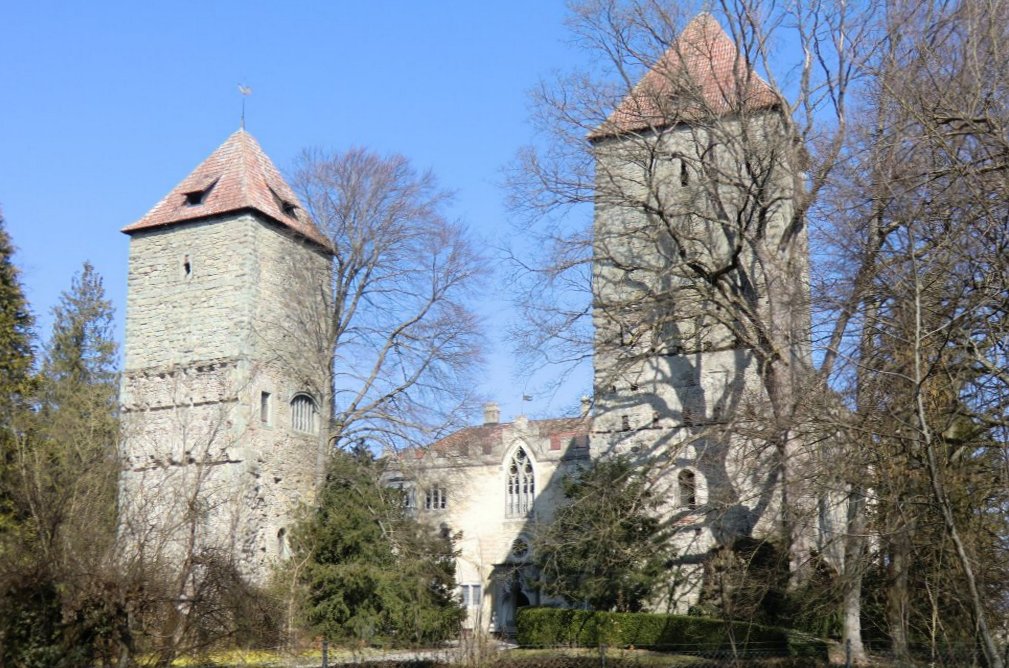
(224, 381)
(697, 256)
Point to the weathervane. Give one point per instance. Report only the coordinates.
(245, 91)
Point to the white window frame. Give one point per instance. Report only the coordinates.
(471, 595)
(435, 498)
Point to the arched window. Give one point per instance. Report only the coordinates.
(304, 414)
(688, 489)
(521, 485)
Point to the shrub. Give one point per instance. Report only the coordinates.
(538, 627)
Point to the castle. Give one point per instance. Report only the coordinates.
(222, 402)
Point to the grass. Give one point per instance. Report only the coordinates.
(561, 657)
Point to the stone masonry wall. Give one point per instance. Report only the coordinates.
(202, 346)
(671, 381)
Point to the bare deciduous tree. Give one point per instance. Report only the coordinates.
(882, 125)
(398, 338)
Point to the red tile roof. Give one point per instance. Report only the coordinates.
(485, 437)
(702, 75)
(237, 176)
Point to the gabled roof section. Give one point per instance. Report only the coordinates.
(702, 75)
(237, 176)
(472, 442)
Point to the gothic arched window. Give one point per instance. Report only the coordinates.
(688, 489)
(521, 488)
(304, 414)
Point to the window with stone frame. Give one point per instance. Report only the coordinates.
(521, 485)
(304, 414)
(266, 408)
(436, 498)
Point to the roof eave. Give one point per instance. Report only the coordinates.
(135, 228)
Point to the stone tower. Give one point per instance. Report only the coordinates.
(224, 382)
(694, 255)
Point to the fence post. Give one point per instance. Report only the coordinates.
(325, 653)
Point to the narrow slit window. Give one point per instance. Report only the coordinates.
(264, 407)
(625, 423)
(688, 489)
(187, 266)
(282, 549)
(684, 173)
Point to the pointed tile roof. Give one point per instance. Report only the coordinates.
(237, 176)
(700, 76)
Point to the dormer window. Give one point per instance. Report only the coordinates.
(197, 197)
(288, 208)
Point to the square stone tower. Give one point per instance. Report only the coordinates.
(697, 255)
(224, 388)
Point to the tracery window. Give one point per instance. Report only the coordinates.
(304, 414)
(521, 487)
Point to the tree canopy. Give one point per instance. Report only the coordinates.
(374, 575)
(606, 547)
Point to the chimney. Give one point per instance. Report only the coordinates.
(491, 413)
(586, 405)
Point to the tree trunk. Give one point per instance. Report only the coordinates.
(854, 550)
(897, 594)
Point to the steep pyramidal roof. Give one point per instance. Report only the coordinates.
(701, 75)
(237, 176)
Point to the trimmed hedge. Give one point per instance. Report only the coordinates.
(550, 627)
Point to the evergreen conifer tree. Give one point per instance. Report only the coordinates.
(375, 575)
(606, 547)
(16, 359)
(59, 604)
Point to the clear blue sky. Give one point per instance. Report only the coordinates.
(104, 106)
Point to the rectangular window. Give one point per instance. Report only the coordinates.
(470, 595)
(264, 408)
(436, 499)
